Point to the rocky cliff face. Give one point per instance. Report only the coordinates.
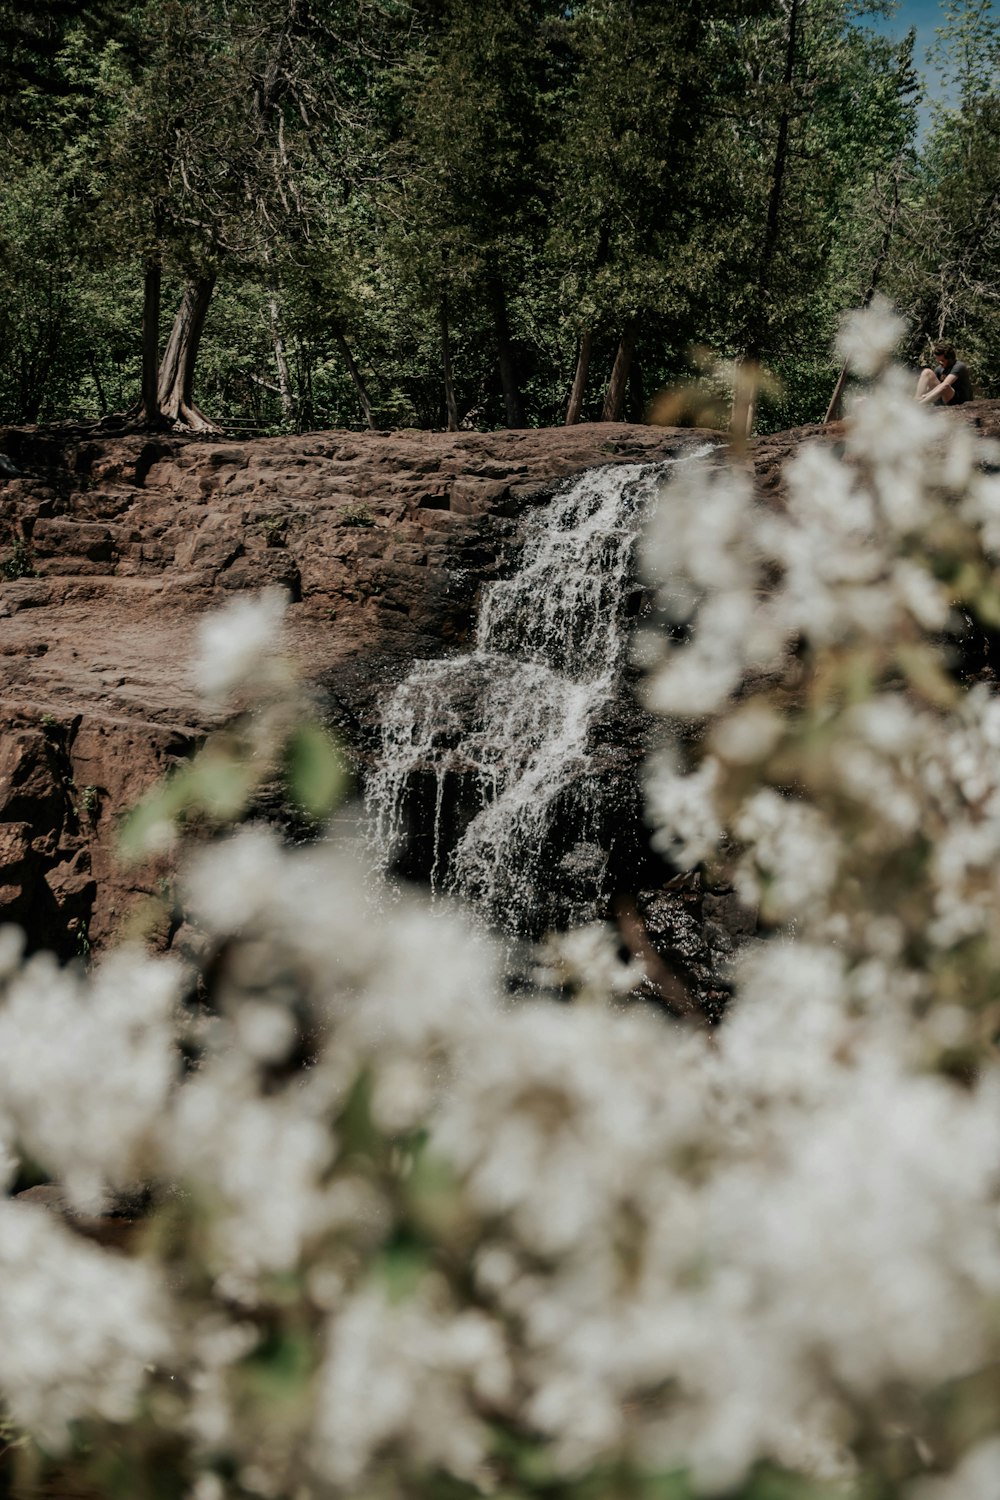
(384, 541)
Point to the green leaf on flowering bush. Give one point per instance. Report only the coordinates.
(280, 1367)
(148, 828)
(356, 1128)
(922, 668)
(768, 1483)
(401, 1266)
(987, 606)
(673, 1486)
(530, 1462)
(219, 784)
(432, 1195)
(316, 773)
(216, 782)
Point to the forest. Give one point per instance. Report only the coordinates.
(499, 929)
(281, 215)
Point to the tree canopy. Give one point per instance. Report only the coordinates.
(271, 214)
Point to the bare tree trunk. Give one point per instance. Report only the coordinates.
(174, 391)
(777, 193)
(280, 357)
(751, 416)
(356, 377)
(744, 408)
(576, 395)
(833, 410)
(614, 398)
(513, 406)
(149, 409)
(450, 404)
(772, 224)
(586, 340)
(881, 256)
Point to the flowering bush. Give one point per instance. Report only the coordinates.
(406, 1237)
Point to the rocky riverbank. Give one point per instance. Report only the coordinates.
(383, 541)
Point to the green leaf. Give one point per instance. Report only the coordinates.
(147, 828)
(317, 776)
(219, 784)
(401, 1267)
(216, 783)
(279, 1368)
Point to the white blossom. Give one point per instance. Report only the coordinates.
(78, 1326)
(409, 1375)
(868, 337)
(236, 642)
(86, 1068)
(977, 1477)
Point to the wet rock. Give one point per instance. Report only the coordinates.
(138, 537)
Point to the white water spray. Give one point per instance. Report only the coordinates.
(510, 721)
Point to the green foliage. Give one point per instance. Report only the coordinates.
(315, 770)
(356, 513)
(367, 180)
(18, 562)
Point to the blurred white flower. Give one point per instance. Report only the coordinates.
(236, 642)
(409, 1376)
(587, 958)
(86, 1067)
(11, 948)
(976, 1478)
(868, 337)
(79, 1326)
(686, 823)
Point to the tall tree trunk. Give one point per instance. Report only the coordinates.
(881, 256)
(149, 409)
(450, 404)
(513, 406)
(357, 378)
(280, 357)
(174, 391)
(833, 410)
(614, 398)
(576, 395)
(775, 202)
(744, 409)
(776, 196)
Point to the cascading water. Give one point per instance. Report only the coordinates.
(500, 735)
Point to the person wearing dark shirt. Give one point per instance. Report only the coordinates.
(948, 383)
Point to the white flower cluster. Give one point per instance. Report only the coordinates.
(78, 1326)
(88, 1067)
(635, 1239)
(839, 749)
(405, 1227)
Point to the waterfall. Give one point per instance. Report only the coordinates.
(491, 747)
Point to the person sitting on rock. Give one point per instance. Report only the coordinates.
(948, 382)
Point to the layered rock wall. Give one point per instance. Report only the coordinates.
(383, 541)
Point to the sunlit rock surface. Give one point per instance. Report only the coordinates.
(384, 541)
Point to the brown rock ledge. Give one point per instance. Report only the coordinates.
(382, 539)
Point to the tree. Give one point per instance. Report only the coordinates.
(828, 108)
(632, 175)
(463, 203)
(947, 263)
